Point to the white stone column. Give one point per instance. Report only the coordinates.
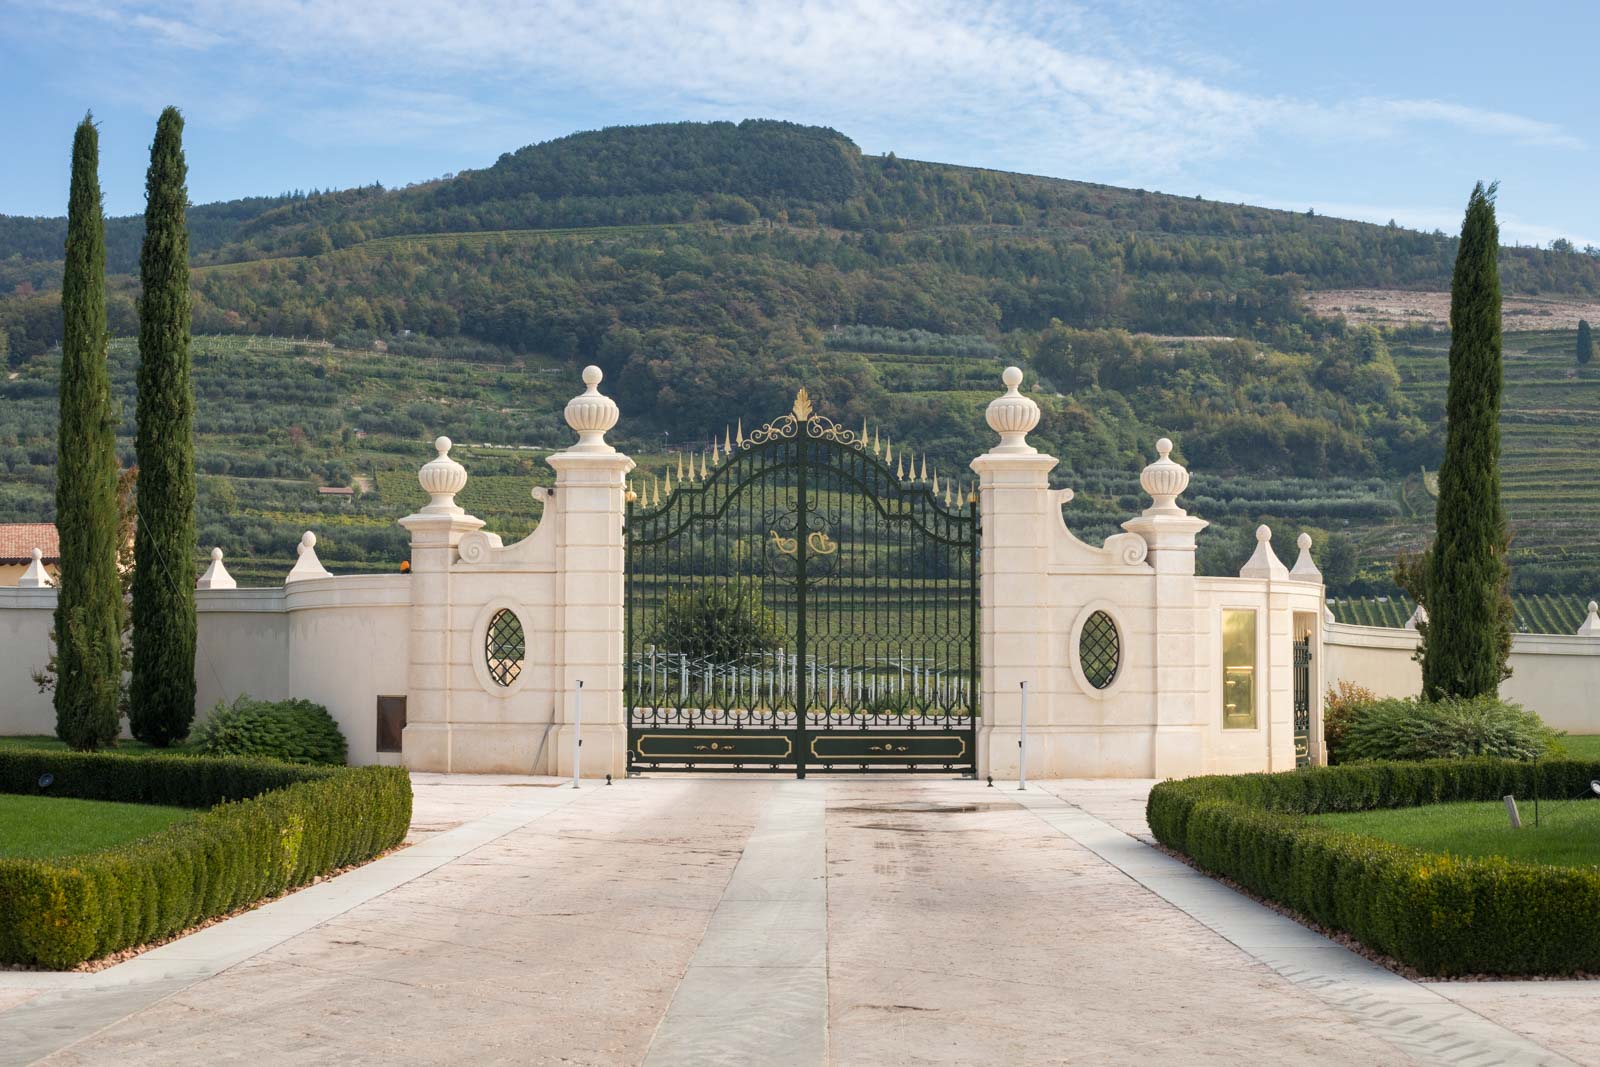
(1182, 631)
(435, 532)
(1015, 509)
(590, 483)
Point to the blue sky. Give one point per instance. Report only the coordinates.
(1363, 110)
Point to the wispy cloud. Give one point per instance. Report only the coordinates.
(1057, 84)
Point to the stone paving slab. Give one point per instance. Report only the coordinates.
(764, 920)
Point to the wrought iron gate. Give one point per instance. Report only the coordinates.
(1302, 702)
(804, 598)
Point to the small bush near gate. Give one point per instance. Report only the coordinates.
(1343, 703)
(722, 625)
(1441, 914)
(275, 826)
(1413, 729)
(294, 730)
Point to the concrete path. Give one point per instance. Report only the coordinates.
(764, 920)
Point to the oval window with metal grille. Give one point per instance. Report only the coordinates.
(504, 647)
(1100, 650)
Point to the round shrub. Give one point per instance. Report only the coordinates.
(1414, 729)
(297, 731)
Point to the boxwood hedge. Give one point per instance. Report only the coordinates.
(270, 827)
(1441, 914)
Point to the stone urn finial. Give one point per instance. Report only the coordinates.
(216, 575)
(1164, 480)
(1012, 415)
(1591, 623)
(591, 414)
(1305, 568)
(442, 478)
(35, 577)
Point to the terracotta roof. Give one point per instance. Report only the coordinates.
(19, 539)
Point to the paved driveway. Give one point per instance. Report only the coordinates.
(764, 920)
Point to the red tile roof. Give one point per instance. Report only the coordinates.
(19, 539)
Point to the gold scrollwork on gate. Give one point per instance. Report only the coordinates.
(818, 543)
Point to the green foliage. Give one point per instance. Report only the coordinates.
(721, 624)
(1464, 579)
(297, 731)
(88, 619)
(1413, 729)
(1440, 914)
(161, 698)
(1345, 700)
(274, 827)
(1585, 349)
(1339, 561)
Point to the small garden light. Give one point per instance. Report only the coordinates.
(1594, 786)
(47, 780)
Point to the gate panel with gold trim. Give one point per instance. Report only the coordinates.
(804, 598)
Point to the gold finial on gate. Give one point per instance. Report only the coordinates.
(802, 405)
(716, 454)
(900, 468)
(947, 501)
(702, 466)
(630, 496)
(877, 444)
(924, 468)
(888, 451)
(727, 441)
(680, 465)
(669, 477)
(936, 481)
(739, 434)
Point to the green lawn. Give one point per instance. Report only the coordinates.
(57, 745)
(1568, 834)
(41, 827)
(1582, 746)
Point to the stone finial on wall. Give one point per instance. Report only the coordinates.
(1264, 563)
(1591, 624)
(1012, 416)
(35, 577)
(591, 414)
(442, 478)
(216, 575)
(1164, 480)
(1418, 616)
(1305, 568)
(308, 565)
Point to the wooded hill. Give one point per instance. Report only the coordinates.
(711, 269)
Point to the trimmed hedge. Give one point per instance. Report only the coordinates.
(1438, 913)
(274, 827)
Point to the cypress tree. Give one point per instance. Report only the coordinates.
(1469, 605)
(1585, 342)
(161, 704)
(88, 621)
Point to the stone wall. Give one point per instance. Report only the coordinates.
(1554, 675)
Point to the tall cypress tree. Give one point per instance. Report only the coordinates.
(1585, 343)
(161, 701)
(1469, 606)
(88, 618)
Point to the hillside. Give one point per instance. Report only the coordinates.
(713, 268)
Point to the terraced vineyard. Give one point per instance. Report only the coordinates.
(1550, 430)
(1534, 613)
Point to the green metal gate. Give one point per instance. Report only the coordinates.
(1302, 702)
(802, 599)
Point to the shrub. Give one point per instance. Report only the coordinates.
(1414, 729)
(277, 827)
(297, 731)
(721, 624)
(1343, 703)
(1437, 913)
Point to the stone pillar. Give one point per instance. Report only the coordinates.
(1182, 631)
(435, 532)
(589, 513)
(1015, 505)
